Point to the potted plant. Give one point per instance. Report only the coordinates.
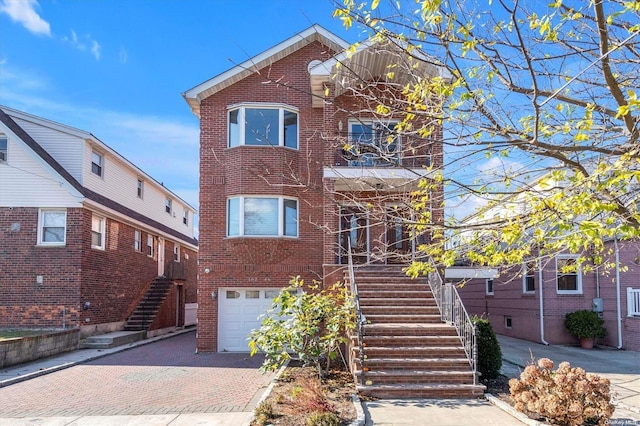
(586, 326)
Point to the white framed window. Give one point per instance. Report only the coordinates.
(167, 205)
(373, 143)
(185, 217)
(52, 227)
(489, 287)
(137, 240)
(256, 216)
(140, 188)
(4, 148)
(97, 232)
(529, 277)
(150, 245)
(97, 163)
(263, 125)
(568, 275)
(176, 252)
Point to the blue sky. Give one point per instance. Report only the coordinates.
(117, 68)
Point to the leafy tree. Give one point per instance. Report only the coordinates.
(545, 91)
(306, 326)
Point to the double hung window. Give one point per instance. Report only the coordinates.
(568, 275)
(4, 147)
(52, 227)
(97, 232)
(96, 163)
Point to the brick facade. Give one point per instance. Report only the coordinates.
(509, 300)
(112, 280)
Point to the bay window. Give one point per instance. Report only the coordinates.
(262, 216)
(263, 125)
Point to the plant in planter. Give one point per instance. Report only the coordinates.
(585, 325)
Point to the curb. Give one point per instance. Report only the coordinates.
(512, 411)
(266, 393)
(360, 417)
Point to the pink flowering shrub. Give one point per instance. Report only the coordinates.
(568, 396)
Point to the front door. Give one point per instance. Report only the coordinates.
(399, 244)
(354, 234)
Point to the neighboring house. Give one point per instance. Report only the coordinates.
(530, 302)
(84, 233)
(281, 192)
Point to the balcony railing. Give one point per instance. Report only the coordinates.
(379, 152)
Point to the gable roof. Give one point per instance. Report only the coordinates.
(17, 130)
(196, 94)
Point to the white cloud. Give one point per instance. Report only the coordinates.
(84, 44)
(23, 12)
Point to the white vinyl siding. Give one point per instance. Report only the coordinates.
(65, 147)
(30, 182)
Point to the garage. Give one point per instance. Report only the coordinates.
(238, 312)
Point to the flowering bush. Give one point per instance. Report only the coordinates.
(568, 396)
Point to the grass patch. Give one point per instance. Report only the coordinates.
(17, 334)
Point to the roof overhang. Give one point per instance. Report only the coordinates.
(195, 95)
(374, 178)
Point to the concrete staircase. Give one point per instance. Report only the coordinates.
(408, 351)
(113, 339)
(144, 314)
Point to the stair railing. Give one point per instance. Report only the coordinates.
(452, 310)
(361, 320)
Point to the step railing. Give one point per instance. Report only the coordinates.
(452, 311)
(361, 320)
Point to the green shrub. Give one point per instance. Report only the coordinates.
(489, 353)
(323, 419)
(568, 396)
(585, 324)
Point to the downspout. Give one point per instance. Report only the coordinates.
(618, 308)
(544, 342)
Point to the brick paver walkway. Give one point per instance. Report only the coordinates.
(159, 378)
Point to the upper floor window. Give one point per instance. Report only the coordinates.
(4, 147)
(373, 143)
(137, 240)
(52, 227)
(176, 253)
(263, 125)
(140, 188)
(150, 245)
(262, 216)
(489, 287)
(167, 205)
(97, 232)
(185, 217)
(568, 275)
(529, 277)
(97, 160)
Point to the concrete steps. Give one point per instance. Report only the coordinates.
(113, 339)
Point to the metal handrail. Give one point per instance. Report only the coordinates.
(360, 317)
(452, 310)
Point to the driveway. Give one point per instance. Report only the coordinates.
(163, 377)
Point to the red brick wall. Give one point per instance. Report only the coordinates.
(524, 309)
(259, 262)
(23, 302)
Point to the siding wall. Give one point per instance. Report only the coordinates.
(509, 300)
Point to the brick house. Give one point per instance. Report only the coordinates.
(84, 233)
(281, 194)
(530, 302)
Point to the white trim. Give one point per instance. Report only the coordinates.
(176, 252)
(41, 213)
(137, 240)
(486, 287)
(462, 272)
(526, 273)
(150, 245)
(103, 236)
(578, 275)
(281, 108)
(281, 216)
(100, 164)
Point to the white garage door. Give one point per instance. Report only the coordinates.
(238, 312)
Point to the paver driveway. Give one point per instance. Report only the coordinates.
(162, 377)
